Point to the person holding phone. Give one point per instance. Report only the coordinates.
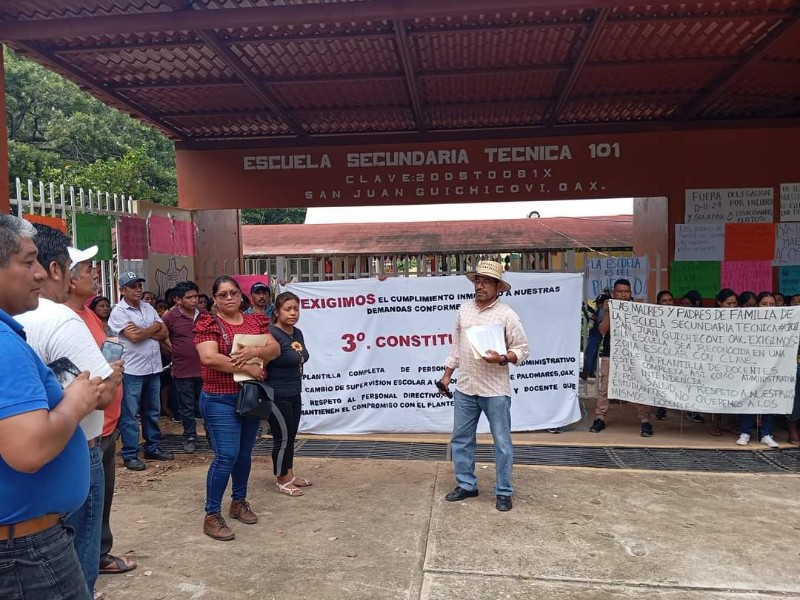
(233, 436)
(61, 337)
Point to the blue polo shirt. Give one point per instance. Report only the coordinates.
(28, 384)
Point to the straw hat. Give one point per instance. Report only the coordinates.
(493, 269)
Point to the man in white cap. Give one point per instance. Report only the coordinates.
(56, 332)
(140, 330)
(483, 382)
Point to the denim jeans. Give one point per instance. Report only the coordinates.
(591, 351)
(188, 391)
(749, 422)
(42, 566)
(234, 438)
(87, 520)
(140, 393)
(467, 411)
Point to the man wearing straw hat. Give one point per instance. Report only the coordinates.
(483, 382)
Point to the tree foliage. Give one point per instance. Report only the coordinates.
(59, 134)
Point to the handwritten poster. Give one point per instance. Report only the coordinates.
(702, 276)
(789, 280)
(747, 275)
(790, 202)
(749, 241)
(717, 360)
(701, 241)
(734, 205)
(601, 273)
(787, 244)
(94, 230)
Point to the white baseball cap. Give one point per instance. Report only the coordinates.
(76, 256)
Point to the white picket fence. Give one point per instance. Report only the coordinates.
(64, 202)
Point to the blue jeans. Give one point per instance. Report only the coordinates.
(591, 351)
(749, 422)
(467, 411)
(140, 393)
(87, 520)
(234, 438)
(42, 566)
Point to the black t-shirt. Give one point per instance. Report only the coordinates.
(285, 373)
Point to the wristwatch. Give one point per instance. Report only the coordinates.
(504, 362)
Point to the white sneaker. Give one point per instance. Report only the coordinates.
(768, 441)
(744, 439)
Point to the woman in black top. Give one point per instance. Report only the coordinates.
(285, 375)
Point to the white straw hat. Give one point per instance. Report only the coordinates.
(493, 269)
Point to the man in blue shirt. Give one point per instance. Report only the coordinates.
(42, 448)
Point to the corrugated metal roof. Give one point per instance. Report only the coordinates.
(208, 71)
(438, 237)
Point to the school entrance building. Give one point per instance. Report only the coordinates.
(421, 101)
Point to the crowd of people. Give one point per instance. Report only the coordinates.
(598, 345)
(81, 373)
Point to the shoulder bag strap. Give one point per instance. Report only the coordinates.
(224, 334)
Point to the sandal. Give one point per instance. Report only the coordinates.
(794, 441)
(713, 429)
(117, 564)
(299, 482)
(283, 488)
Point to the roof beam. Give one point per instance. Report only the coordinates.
(591, 41)
(107, 95)
(505, 133)
(298, 14)
(756, 53)
(235, 64)
(407, 62)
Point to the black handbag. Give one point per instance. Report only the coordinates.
(255, 400)
(255, 397)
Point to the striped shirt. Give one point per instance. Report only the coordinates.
(476, 377)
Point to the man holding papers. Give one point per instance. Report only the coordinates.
(488, 337)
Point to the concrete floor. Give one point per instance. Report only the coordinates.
(372, 529)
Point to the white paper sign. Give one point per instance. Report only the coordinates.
(790, 202)
(601, 273)
(787, 244)
(730, 205)
(377, 347)
(702, 241)
(715, 360)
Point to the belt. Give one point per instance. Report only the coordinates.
(29, 527)
(93, 442)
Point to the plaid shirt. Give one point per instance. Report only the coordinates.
(206, 329)
(476, 377)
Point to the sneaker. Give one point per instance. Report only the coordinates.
(661, 413)
(694, 417)
(597, 426)
(744, 439)
(159, 454)
(190, 447)
(768, 441)
(647, 430)
(554, 430)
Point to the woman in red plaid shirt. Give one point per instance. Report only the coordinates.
(233, 435)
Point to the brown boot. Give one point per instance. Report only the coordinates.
(240, 509)
(214, 526)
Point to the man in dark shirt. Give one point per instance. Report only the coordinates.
(185, 360)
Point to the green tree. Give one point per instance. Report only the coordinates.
(273, 216)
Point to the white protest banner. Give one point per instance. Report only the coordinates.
(601, 273)
(790, 202)
(733, 205)
(377, 348)
(716, 360)
(787, 244)
(701, 242)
